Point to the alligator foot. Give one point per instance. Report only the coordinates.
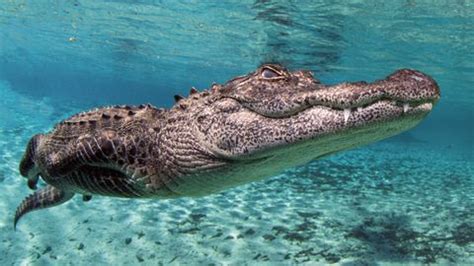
(46, 197)
(32, 182)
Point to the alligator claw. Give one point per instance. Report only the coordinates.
(32, 183)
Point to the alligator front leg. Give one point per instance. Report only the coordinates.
(46, 197)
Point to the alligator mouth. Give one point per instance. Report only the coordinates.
(406, 89)
(405, 105)
(403, 94)
(402, 108)
(378, 110)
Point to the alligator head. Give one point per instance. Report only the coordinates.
(271, 119)
(250, 128)
(271, 110)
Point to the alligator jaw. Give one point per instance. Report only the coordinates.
(323, 130)
(354, 116)
(404, 93)
(311, 134)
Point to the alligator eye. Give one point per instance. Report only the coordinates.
(269, 74)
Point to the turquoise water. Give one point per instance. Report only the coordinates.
(405, 200)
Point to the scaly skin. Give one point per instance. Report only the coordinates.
(250, 128)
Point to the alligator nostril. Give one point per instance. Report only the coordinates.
(407, 74)
(417, 78)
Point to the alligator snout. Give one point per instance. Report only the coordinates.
(404, 86)
(412, 86)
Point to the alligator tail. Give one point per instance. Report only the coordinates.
(46, 197)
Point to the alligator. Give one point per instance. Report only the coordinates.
(252, 127)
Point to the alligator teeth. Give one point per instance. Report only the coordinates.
(347, 113)
(405, 107)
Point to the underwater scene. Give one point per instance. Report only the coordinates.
(395, 194)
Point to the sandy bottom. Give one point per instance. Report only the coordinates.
(395, 202)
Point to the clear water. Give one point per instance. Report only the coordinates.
(406, 200)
